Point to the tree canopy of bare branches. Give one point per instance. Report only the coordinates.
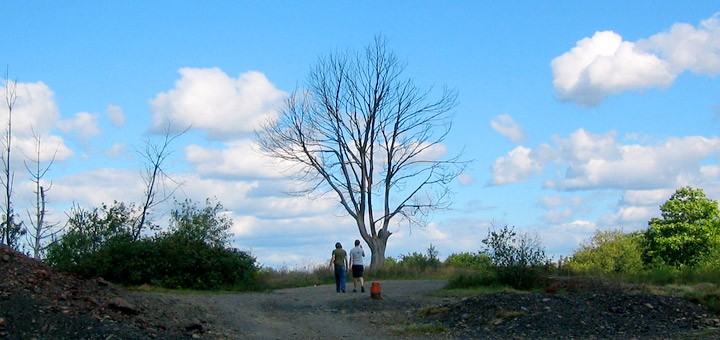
(10, 227)
(39, 230)
(363, 132)
(157, 180)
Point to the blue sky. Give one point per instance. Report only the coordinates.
(578, 116)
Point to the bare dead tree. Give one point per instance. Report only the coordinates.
(363, 132)
(40, 230)
(159, 185)
(11, 230)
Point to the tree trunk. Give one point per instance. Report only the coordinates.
(377, 251)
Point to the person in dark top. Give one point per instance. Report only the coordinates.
(339, 262)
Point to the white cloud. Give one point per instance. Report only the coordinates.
(672, 163)
(517, 166)
(273, 223)
(116, 184)
(238, 159)
(710, 172)
(688, 48)
(630, 217)
(117, 150)
(560, 237)
(603, 65)
(34, 110)
(583, 146)
(646, 197)
(636, 208)
(222, 106)
(263, 199)
(116, 115)
(84, 124)
(592, 161)
(465, 179)
(505, 125)
(562, 209)
(50, 148)
(450, 236)
(35, 114)
(301, 242)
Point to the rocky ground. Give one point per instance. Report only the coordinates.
(39, 302)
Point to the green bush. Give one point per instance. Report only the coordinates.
(519, 259)
(197, 265)
(473, 277)
(89, 230)
(192, 254)
(413, 265)
(124, 261)
(609, 253)
(461, 260)
(419, 262)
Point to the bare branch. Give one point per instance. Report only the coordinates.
(39, 231)
(11, 230)
(154, 155)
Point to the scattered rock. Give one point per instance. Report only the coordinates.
(123, 306)
(194, 327)
(39, 302)
(604, 312)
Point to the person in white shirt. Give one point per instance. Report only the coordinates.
(356, 263)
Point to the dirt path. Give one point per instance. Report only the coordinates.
(317, 312)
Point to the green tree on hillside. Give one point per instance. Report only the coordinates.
(609, 252)
(687, 230)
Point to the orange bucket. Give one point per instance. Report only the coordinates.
(375, 290)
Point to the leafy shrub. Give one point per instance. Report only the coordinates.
(411, 266)
(198, 265)
(519, 260)
(609, 252)
(89, 230)
(124, 261)
(191, 254)
(466, 259)
(473, 277)
(420, 261)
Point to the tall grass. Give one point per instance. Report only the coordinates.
(271, 279)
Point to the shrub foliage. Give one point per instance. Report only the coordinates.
(609, 252)
(192, 254)
(519, 259)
